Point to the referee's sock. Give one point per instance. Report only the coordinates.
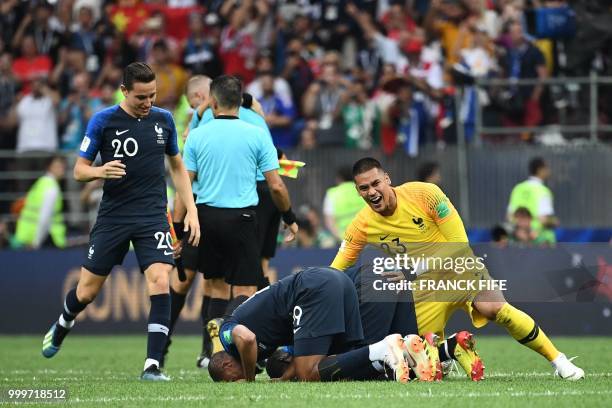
(234, 303)
(177, 301)
(354, 365)
(72, 307)
(159, 321)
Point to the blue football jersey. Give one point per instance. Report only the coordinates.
(141, 144)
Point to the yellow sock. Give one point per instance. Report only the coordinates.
(524, 330)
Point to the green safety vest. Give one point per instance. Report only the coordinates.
(529, 194)
(346, 204)
(181, 114)
(29, 219)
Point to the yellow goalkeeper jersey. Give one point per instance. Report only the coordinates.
(424, 216)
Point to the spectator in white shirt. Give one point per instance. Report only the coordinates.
(37, 119)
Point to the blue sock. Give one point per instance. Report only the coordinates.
(353, 365)
(177, 302)
(159, 321)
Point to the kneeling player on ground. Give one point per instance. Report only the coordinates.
(317, 312)
(420, 214)
(382, 317)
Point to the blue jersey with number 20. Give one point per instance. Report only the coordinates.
(141, 144)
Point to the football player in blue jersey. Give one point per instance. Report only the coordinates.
(316, 311)
(133, 139)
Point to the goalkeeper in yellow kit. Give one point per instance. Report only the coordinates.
(419, 215)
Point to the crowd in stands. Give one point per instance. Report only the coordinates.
(357, 74)
(329, 73)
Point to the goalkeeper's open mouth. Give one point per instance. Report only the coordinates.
(376, 201)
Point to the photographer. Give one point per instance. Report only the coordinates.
(361, 118)
(323, 102)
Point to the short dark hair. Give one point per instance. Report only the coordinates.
(426, 170)
(56, 157)
(215, 366)
(535, 165)
(227, 90)
(277, 363)
(523, 211)
(498, 233)
(137, 72)
(160, 44)
(365, 164)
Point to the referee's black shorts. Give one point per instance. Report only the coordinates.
(268, 221)
(229, 248)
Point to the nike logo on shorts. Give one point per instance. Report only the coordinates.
(296, 330)
(118, 133)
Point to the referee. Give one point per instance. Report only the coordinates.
(224, 155)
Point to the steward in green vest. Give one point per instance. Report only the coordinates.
(342, 202)
(536, 197)
(41, 216)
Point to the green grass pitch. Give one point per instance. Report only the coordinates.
(103, 371)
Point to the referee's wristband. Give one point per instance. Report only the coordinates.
(178, 230)
(289, 217)
(247, 100)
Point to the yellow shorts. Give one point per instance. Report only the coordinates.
(433, 308)
(433, 316)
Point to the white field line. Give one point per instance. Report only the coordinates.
(341, 396)
(79, 375)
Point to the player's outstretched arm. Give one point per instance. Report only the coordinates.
(183, 187)
(355, 239)
(246, 343)
(84, 171)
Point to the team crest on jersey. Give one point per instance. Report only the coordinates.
(418, 221)
(160, 134)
